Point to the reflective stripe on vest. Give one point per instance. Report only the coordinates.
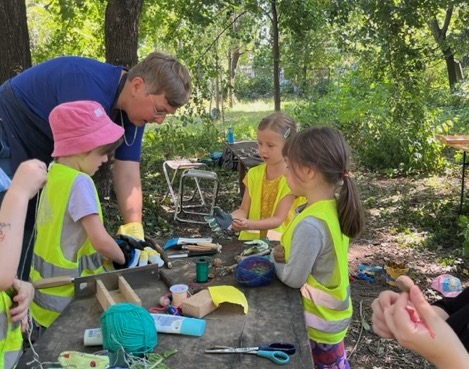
(322, 298)
(12, 358)
(51, 302)
(87, 263)
(323, 325)
(11, 340)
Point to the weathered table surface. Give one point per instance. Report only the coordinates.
(248, 156)
(275, 315)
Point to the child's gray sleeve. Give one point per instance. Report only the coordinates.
(309, 240)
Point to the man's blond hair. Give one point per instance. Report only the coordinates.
(164, 75)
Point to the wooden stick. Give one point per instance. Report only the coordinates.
(162, 252)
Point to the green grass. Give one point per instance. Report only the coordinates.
(245, 117)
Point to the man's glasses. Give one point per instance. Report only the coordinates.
(157, 113)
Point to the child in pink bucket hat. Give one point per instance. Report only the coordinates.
(71, 238)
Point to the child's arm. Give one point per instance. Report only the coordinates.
(308, 243)
(101, 240)
(243, 210)
(267, 223)
(28, 179)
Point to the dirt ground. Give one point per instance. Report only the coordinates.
(365, 349)
(411, 220)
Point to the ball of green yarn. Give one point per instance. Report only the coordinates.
(129, 327)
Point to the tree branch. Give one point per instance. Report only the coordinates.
(220, 34)
(449, 14)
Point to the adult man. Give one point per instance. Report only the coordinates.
(155, 87)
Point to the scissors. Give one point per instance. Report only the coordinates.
(277, 352)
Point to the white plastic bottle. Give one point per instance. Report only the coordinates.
(177, 324)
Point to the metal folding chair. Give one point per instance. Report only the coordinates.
(206, 183)
(197, 193)
(171, 168)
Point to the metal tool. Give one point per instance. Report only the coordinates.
(187, 253)
(86, 286)
(277, 352)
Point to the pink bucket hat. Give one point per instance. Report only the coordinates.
(81, 126)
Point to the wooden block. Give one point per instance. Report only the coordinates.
(125, 293)
(128, 293)
(103, 295)
(198, 305)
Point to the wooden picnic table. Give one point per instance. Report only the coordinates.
(248, 156)
(458, 142)
(275, 315)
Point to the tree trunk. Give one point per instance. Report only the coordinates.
(451, 67)
(276, 55)
(121, 31)
(121, 41)
(439, 34)
(233, 64)
(15, 55)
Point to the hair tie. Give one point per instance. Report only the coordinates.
(345, 174)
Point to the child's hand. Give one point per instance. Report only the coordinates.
(379, 305)
(23, 298)
(240, 224)
(30, 176)
(279, 254)
(429, 335)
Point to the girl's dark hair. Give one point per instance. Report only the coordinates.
(110, 148)
(324, 149)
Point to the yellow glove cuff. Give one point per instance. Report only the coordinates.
(134, 229)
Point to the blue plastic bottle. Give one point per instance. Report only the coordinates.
(230, 136)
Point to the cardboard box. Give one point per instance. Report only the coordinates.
(198, 305)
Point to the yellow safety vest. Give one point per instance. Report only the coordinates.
(11, 340)
(48, 258)
(255, 180)
(328, 311)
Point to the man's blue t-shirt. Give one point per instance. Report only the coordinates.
(71, 78)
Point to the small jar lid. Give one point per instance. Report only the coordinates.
(179, 288)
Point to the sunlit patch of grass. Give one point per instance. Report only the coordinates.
(411, 238)
(245, 117)
(254, 106)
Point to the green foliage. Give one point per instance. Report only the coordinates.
(254, 88)
(390, 128)
(180, 137)
(66, 27)
(464, 225)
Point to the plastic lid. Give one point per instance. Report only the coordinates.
(179, 288)
(193, 327)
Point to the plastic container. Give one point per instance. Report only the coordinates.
(179, 293)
